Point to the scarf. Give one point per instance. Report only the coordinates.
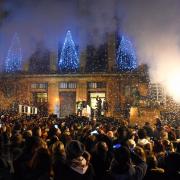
(79, 165)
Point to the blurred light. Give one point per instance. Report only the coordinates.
(133, 112)
(173, 84)
(56, 100)
(57, 107)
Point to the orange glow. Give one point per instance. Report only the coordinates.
(56, 100)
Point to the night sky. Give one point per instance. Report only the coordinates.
(152, 25)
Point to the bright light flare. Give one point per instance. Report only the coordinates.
(173, 85)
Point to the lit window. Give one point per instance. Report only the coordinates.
(94, 85)
(67, 85)
(40, 97)
(39, 85)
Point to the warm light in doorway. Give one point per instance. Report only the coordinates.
(56, 100)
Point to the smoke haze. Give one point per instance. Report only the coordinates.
(155, 27)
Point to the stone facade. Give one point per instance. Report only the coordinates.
(117, 87)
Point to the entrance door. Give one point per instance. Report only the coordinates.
(67, 103)
(93, 96)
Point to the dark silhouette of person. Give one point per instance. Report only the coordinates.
(99, 106)
(105, 106)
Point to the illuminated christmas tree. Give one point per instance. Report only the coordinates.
(69, 61)
(126, 57)
(14, 56)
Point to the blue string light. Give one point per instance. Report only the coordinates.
(126, 57)
(14, 56)
(69, 61)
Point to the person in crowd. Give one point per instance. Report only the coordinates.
(149, 129)
(40, 165)
(122, 136)
(79, 108)
(22, 165)
(54, 134)
(98, 106)
(76, 166)
(101, 159)
(58, 158)
(153, 171)
(105, 106)
(5, 168)
(74, 147)
(126, 165)
(58, 152)
(158, 128)
(37, 131)
(140, 151)
(164, 135)
(143, 139)
(172, 166)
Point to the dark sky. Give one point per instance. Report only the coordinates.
(152, 25)
(145, 21)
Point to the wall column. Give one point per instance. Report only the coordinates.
(113, 98)
(53, 98)
(81, 93)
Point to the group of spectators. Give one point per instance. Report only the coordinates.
(74, 148)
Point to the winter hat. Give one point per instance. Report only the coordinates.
(74, 149)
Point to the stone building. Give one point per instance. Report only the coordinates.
(99, 72)
(54, 90)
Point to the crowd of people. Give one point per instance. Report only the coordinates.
(41, 148)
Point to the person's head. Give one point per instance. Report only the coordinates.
(42, 161)
(164, 135)
(122, 133)
(147, 124)
(110, 134)
(172, 135)
(27, 134)
(168, 146)
(158, 147)
(87, 156)
(158, 123)
(122, 156)
(131, 143)
(33, 144)
(142, 133)
(17, 126)
(101, 147)
(74, 149)
(172, 164)
(37, 131)
(152, 161)
(148, 148)
(54, 131)
(17, 139)
(58, 148)
(140, 151)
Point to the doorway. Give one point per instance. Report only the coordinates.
(93, 96)
(67, 103)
